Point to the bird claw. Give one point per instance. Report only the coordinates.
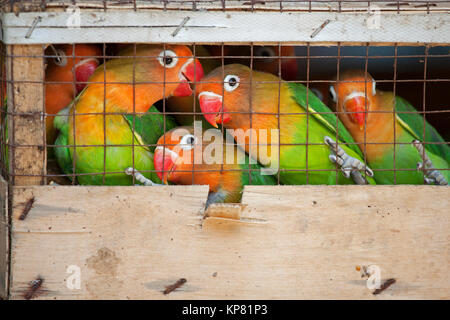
(139, 177)
(431, 174)
(349, 166)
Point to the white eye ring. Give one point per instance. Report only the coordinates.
(374, 84)
(333, 94)
(265, 52)
(188, 142)
(168, 59)
(231, 82)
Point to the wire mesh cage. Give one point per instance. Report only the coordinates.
(129, 79)
(226, 94)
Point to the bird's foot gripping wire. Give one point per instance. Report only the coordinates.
(350, 166)
(431, 174)
(139, 177)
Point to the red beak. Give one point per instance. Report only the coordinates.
(357, 106)
(211, 106)
(192, 72)
(289, 69)
(83, 71)
(163, 164)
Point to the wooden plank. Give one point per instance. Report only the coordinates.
(206, 27)
(26, 125)
(283, 243)
(230, 5)
(4, 238)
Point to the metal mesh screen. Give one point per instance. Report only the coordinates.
(419, 74)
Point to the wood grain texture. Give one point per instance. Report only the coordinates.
(300, 242)
(4, 238)
(26, 125)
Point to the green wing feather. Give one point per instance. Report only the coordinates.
(328, 119)
(147, 130)
(413, 123)
(62, 153)
(150, 126)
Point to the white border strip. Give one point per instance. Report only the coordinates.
(157, 26)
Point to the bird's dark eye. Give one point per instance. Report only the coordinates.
(168, 60)
(190, 140)
(231, 82)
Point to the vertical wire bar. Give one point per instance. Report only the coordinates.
(338, 70)
(394, 109)
(164, 174)
(73, 126)
(425, 66)
(308, 57)
(251, 113)
(134, 112)
(44, 121)
(366, 109)
(223, 91)
(278, 113)
(104, 114)
(12, 129)
(194, 84)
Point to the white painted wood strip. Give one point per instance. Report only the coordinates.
(288, 242)
(209, 27)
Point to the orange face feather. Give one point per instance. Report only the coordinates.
(174, 163)
(354, 96)
(74, 71)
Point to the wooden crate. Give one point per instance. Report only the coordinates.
(283, 242)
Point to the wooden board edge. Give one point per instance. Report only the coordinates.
(4, 239)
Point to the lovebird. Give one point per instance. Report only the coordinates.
(102, 159)
(74, 72)
(238, 104)
(375, 124)
(174, 163)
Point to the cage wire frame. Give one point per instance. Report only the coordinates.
(11, 145)
(230, 5)
(311, 6)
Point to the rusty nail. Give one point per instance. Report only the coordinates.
(33, 288)
(322, 26)
(33, 25)
(26, 209)
(174, 286)
(185, 20)
(384, 286)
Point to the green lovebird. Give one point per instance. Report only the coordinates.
(266, 103)
(226, 172)
(101, 147)
(379, 128)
